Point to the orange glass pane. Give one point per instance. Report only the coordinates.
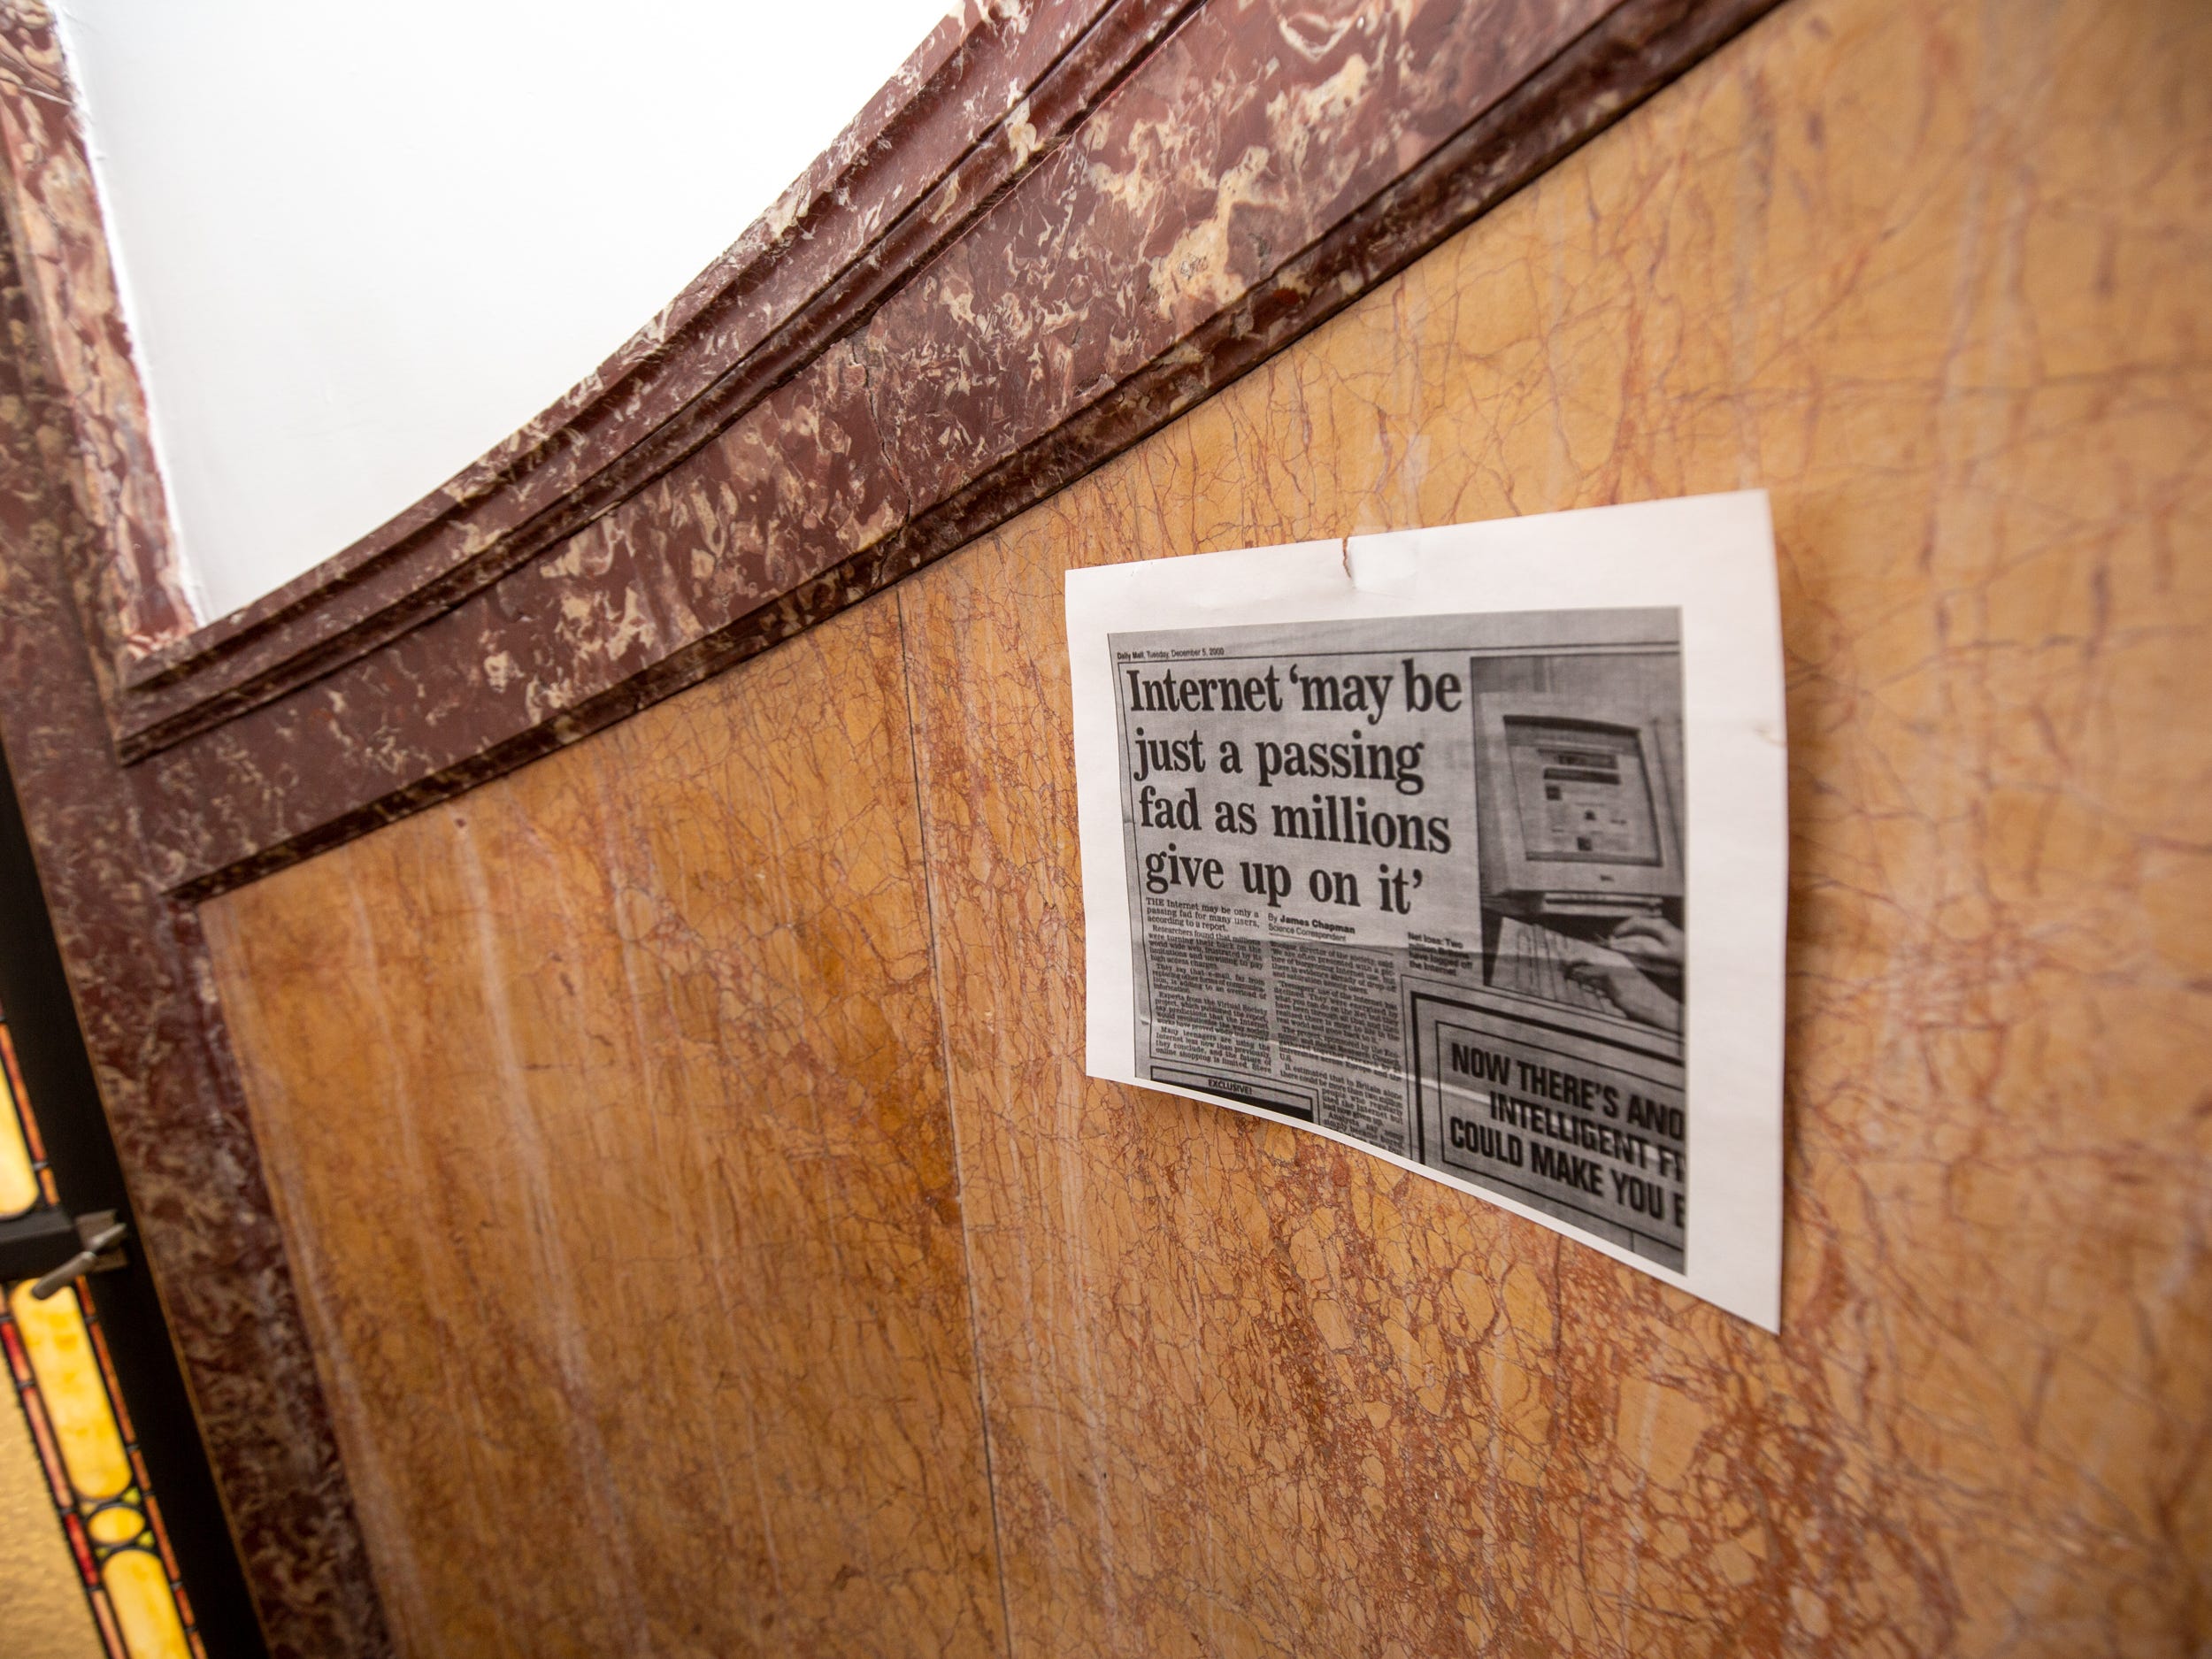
(76, 1397)
(19, 1181)
(144, 1606)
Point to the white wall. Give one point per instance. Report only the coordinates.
(360, 244)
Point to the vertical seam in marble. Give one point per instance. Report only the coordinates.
(531, 1163)
(229, 1095)
(952, 1120)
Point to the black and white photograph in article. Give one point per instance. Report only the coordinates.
(1465, 847)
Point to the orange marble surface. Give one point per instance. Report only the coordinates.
(1933, 274)
(673, 1137)
(604, 1109)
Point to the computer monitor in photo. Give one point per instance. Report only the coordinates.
(1577, 815)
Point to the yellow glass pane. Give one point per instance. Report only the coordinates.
(118, 1526)
(18, 1182)
(143, 1605)
(68, 1375)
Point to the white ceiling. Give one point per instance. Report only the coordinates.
(361, 244)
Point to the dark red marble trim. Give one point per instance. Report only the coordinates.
(978, 105)
(52, 214)
(145, 1000)
(1250, 174)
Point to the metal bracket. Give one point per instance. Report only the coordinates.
(59, 1247)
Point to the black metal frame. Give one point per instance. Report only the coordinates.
(49, 1048)
(35, 1244)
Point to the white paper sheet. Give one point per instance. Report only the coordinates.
(1468, 847)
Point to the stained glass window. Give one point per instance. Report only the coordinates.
(57, 1360)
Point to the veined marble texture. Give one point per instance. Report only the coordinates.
(604, 1110)
(1168, 205)
(1478, 94)
(727, 1066)
(1929, 272)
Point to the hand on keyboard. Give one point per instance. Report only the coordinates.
(1535, 961)
(1538, 961)
(1626, 987)
(1651, 939)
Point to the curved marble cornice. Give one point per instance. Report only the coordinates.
(976, 105)
(1058, 228)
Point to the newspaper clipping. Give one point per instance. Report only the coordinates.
(1423, 882)
(1320, 918)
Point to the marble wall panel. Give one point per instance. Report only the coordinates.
(606, 1115)
(1931, 272)
(629, 1115)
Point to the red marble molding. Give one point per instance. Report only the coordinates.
(979, 103)
(146, 1002)
(52, 214)
(1168, 205)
